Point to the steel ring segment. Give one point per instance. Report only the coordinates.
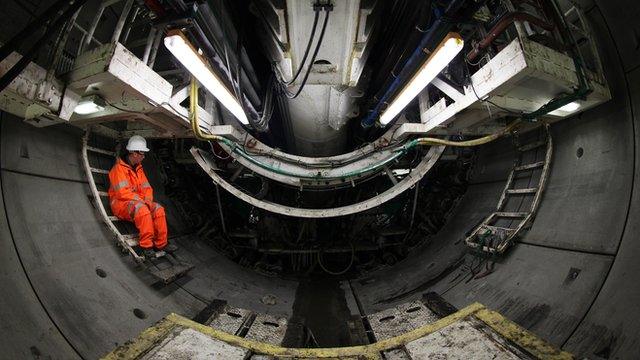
(412, 178)
(313, 174)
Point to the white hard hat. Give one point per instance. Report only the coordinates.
(137, 143)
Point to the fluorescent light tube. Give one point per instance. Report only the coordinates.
(570, 107)
(89, 105)
(180, 47)
(448, 48)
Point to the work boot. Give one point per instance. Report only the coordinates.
(170, 248)
(148, 253)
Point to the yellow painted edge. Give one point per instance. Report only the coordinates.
(144, 341)
(370, 351)
(524, 338)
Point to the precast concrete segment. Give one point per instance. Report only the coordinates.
(26, 328)
(53, 153)
(217, 277)
(544, 290)
(610, 329)
(63, 245)
(619, 14)
(426, 265)
(493, 162)
(67, 251)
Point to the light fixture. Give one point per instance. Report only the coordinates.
(89, 105)
(448, 48)
(182, 49)
(570, 107)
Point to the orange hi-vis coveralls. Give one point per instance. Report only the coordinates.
(131, 198)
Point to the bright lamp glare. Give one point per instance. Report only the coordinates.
(86, 107)
(570, 107)
(441, 57)
(192, 61)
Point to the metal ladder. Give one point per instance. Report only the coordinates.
(578, 24)
(125, 241)
(165, 267)
(489, 238)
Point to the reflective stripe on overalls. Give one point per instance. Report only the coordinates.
(120, 185)
(133, 207)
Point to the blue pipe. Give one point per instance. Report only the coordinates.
(441, 25)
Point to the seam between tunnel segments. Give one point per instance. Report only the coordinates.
(599, 253)
(633, 178)
(43, 176)
(633, 68)
(196, 297)
(86, 182)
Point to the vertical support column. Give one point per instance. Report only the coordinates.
(147, 48)
(423, 103)
(130, 25)
(154, 48)
(62, 42)
(94, 24)
(123, 18)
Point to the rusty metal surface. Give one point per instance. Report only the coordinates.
(396, 354)
(188, 344)
(458, 341)
(230, 319)
(472, 330)
(268, 329)
(400, 319)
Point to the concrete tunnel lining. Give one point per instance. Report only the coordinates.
(55, 304)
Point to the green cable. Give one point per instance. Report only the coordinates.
(397, 153)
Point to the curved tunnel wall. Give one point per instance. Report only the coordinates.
(573, 280)
(54, 302)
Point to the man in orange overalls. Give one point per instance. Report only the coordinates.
(131, 198)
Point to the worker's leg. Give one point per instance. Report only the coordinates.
(160, 225)
(144, 222)
(137, 212)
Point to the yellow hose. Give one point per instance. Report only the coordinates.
(195, 127)
(193, 115)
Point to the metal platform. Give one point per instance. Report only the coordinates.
(474, 331)
(524, 76)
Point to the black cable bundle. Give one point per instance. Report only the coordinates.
(327, 9)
